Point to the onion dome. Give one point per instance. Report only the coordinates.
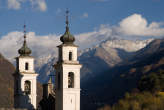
(24, 50)
(67, 38)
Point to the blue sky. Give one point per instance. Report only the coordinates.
(91, 22)
(85, 15)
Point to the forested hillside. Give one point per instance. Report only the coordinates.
(149, 95)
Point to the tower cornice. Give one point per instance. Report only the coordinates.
(65, 45)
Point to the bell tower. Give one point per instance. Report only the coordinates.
(67, 85)
(25, 79)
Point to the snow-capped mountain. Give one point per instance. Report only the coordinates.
(127, 45)
(95, 59)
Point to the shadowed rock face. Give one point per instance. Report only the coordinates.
(6, 82)
(99, 60)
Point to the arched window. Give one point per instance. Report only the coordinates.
(27, 87)
(70, 80)
(70, 56)
(26, 66)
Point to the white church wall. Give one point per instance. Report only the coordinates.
(32, 78)
(66, 50)
(30, 62)
(26, 100)
(76, 70)
(70, 99)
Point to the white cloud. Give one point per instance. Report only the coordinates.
(90, 39)
(85, 15)
(36, 4)
(136, 25)
(40, 45)
(14, 4)
(44, 46)
(39, 4)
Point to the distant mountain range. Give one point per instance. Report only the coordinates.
(110, 85)
(96, 59)
(109, 70)
(107, 55)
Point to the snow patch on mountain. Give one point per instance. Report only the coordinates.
(127, 45)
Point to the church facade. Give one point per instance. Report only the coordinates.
(25, 79)
(67, 81)
(64, 94)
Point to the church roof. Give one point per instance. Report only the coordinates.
(24, 50)
(67, 37)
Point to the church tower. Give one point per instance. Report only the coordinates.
(67, 81)
(25, 79)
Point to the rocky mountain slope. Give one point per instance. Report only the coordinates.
(107, 55)
(6, 79)
(111, 85)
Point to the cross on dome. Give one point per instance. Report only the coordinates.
(67, 14)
